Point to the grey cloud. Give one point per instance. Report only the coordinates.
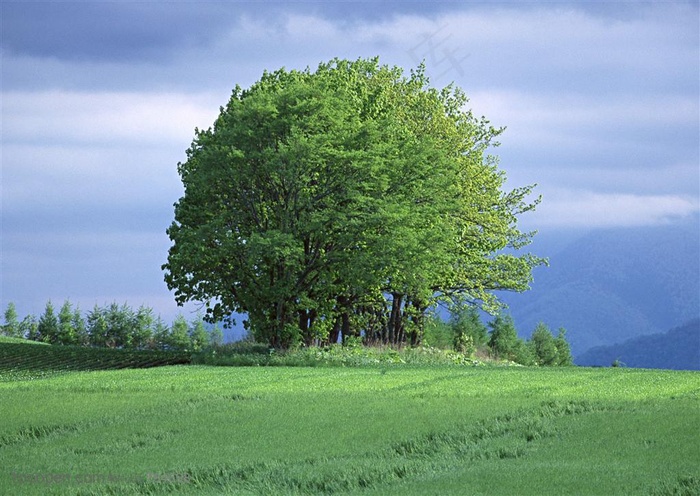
(108, 30)
(138, 31)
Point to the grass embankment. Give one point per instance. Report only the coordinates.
(410, 429)
(20, 360)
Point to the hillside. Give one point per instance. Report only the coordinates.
(677, 349)
(369, 430)
(612, 285)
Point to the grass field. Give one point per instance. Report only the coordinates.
(365, 430)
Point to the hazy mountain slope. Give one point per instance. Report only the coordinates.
(678, 348)
(612, 285)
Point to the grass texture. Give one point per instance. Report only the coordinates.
(373, 430)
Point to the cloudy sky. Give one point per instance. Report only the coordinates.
(100, 101)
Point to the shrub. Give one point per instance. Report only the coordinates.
(504, 338)
(564, 357)
(438, 334)
(465, 322)
(543, 346)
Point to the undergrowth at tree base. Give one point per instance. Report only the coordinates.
(337, 355)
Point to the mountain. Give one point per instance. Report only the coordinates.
(612, 285)
(677, 349)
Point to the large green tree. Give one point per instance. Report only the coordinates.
(344, 200)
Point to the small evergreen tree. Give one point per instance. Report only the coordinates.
(66, 332)
(468, 328)
(119, 321)
(199, 337)
(504, 338)
(97, 327)
(523, 353)
(216, 336)
(161, 335)
(438, 333)
(79, 327)
(564, 357)
(29, 328)
(11, 327)
(48, 329)
(179, 338)
(543, 346)
(141, 332)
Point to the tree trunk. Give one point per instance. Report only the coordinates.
(395, 318)
(304, 327)
(335, 332)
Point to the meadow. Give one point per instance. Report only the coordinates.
(371, 430)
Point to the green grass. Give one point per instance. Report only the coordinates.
(410, 429)
(8, 339)
(20, 360)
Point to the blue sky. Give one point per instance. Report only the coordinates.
(100, 101)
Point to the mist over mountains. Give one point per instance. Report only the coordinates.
(611, 285)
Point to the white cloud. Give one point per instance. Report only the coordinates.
(588, 209)
(95, 150)
(681, 178)
(305, 27)
(104, 117)
(96, 178)
(506, 45)
(574, 119)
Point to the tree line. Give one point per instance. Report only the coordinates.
(466, 333)
(111, 326)
(345, 201)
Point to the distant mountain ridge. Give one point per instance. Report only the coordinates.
(612, 285)
(677, 349)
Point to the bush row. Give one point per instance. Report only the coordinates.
(111, 326)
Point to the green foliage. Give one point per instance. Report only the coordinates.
(161, 335)
(438, 334)
(464, 343)
(48, 330)
(468, 328)
(216, 337)
(524, 354)
(141, 334)
(564, 357)
(347, 355)
(11, 327)
(543, 346)
(29, 328)
(179, 338)
(118, 326)
(344, 200)
(199, 337)
(79, 328)
(504, 341)
(66, 332)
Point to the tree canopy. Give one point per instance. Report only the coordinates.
(344, 201)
